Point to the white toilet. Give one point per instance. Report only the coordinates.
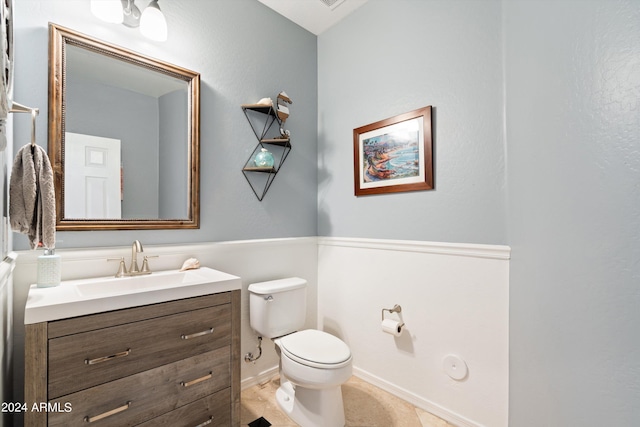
(313, 364)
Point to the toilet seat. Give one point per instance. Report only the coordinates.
(317, 349)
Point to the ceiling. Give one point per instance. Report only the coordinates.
(315, 16)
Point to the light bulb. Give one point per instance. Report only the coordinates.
(153, 24)
(108, 10)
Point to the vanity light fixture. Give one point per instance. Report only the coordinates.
(153, 24)
(131, 13)
(108, 10)
(151, 20)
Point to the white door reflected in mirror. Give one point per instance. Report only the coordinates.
(92, 185)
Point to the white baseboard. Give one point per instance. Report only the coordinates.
(415, 400)
(261, 378)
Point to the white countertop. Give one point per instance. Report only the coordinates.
(74, 298)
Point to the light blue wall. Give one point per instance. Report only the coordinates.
(573, 141)
(391, 57)
(243, 51)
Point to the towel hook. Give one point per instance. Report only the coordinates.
(19, 108)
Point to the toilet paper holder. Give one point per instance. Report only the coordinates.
(396, 309)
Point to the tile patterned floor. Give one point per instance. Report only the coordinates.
(365, 406)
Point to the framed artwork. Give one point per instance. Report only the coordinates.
(394, 155)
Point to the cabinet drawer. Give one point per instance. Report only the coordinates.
(211, 411)
(147, 395)
(90, 322)
(83, 360)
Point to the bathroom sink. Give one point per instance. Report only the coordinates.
(87, 296)
(161, 280)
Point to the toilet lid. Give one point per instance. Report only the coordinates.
(316, 347)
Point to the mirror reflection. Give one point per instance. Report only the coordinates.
(127, 156)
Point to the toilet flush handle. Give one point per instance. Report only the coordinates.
(269, 298)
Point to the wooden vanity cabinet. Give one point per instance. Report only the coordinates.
(175, 363)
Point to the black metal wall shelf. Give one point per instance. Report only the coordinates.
(261, 119)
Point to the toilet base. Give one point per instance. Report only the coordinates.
(311, 407)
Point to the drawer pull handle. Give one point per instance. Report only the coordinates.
(107, 358)
(206, 423)
(108, 413)
(197, 334)
(197, 380)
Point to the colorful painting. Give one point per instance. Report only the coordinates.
(391, 156)
(394, 155)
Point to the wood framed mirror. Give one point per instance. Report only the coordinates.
(124, 137)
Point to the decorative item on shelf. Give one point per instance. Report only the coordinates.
(264, 159)
(283, 113)
(265, 102)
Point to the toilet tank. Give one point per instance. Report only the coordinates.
(278, 307)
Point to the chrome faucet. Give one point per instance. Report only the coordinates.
(136, 247)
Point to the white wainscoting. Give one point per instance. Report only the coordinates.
(454, 299)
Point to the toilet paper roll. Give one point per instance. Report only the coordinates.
(392, 327)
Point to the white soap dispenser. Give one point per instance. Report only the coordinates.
(49, 269)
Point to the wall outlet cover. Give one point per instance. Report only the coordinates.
(455, 367)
